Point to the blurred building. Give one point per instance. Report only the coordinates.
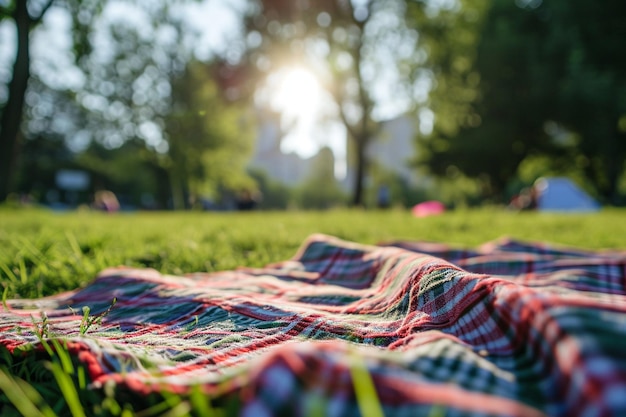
(392, 151)
(287, 168)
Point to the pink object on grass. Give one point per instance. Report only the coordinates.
(428, 208)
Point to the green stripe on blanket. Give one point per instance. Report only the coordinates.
(511, 328)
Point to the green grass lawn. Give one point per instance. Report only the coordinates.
(43, 253)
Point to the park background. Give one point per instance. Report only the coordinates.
(309, 104)
(186, 104)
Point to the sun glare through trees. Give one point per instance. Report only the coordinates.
(296, 94)
(464, 101)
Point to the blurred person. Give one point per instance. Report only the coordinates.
(106, 200)
(383, 197)
(246, 201)
(525, 200)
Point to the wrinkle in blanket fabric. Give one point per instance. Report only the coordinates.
(510, 328)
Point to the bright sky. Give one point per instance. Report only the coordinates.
(308, 114)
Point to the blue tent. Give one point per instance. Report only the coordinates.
(562, 194)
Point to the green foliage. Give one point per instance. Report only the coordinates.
(209, 140)
(547, 86)
(161, 130)
(19, 394)
(592, 85)
(484, 146)
(131, 170)
(459, 191)
(401, 192)
(448, 38)
(54, 383)
(321, 189)
(274, 195)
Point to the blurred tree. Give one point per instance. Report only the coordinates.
(274, 194)
(131, 170)
(25, 16)
(363, 52)
(549, 83)
(39, 101)
(43, 149)
(320, 190)
(136, 87)
(498, 125)
(401, 192)
(449, 35)
(209, 140)
(35, 174)
(585, 43)
(128, 57)
(147, 85)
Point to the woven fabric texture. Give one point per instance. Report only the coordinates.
(510, 328)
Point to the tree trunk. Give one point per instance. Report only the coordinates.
(14, 107)
(613, 172)
(615, 166)
(359, 183)
(178, 191)
(163, 187)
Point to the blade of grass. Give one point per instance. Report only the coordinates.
(155, 410)
(67, 389)
(23, 396)
(63, 356)
(201, 404)
(364, 389)
(42, 331)
(9, 273)
(82, 379)
(74, 244)
(4, 298)
(181, 409)
(28, 245)
(23, 272)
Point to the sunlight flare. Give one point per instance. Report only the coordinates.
(308, 115)
(297, 93)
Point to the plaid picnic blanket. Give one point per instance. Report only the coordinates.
(510, 328)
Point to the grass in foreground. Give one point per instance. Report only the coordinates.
(42, 253)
